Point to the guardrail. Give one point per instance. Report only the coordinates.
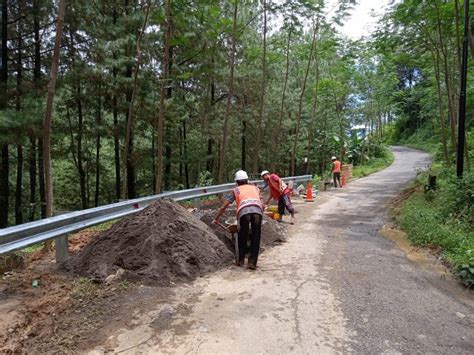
(59, 227)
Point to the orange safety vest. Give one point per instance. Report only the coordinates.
(247, 195)
(336, 166)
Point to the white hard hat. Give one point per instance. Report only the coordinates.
(265, 172)
(241, 175)
(333, 158)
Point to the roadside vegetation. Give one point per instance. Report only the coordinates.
(423, 40)
(441, 219)
(375, 163)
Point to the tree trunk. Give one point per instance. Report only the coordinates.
(230, 94)
(4, 186)
(116, 129)
(49, 111)
(36, 82)
(19, 166)
(128, 163)
(97, 149)
(313, 116)
(185, 147)
(4, 162)
(159, 125)
(258, 138)
(42, 184)
(167, 175)
(323, 144)
(32, 171)
(458, 37)
(19, 186)
(36, 30)
(471, 43)
(209, 160)
(168, 143)
(466, 154)
(451, 108)
(440, 106)
(341, 132)
(80, 165)
(210, 139)
(153, 154)
(244, 145)
(181, 156)
(80, 117)
(285, 84)
(300, 106)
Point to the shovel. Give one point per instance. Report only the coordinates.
(232, 228)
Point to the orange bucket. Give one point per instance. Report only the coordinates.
(270, 214)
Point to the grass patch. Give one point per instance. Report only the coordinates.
(373, 165)
(444, 219)
(33, 248)
(102, 227)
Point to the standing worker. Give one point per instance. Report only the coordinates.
(336, 171)
(249, 213)
(280, 192)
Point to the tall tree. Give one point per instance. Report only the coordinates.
(230, 94)
(129, 130)
(4, 159)
(258, 139)
(162, 108)
(303, 91)
(49, 110)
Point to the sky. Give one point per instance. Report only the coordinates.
(364, 17)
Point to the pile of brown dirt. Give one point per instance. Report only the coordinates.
(273, 233)
(159, 245)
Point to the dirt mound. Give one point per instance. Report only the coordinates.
(273, 233)
(159, 245)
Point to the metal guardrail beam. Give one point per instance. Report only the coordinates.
(25, 235)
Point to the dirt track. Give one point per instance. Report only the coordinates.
(336, 286)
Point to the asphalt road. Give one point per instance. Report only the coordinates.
(336, 286)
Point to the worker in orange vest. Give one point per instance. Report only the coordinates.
(249, 214)
(336, 171)
(280, 192)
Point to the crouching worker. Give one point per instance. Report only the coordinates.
(280, 192)
(249, 214)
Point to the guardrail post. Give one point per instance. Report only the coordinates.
(197, 203)
(62, 253)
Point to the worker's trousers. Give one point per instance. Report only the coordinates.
(337, 178)
(285, 203)
(253, 220)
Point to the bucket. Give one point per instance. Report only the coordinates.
(272, 208)
(270, 214)
(276, 216)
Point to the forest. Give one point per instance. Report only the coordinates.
(108, 100)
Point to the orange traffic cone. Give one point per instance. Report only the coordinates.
(309, 193)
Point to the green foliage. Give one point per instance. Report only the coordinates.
(445, 219)
(374, 164)
(315, 181)
(205, 179)
(363, 150)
